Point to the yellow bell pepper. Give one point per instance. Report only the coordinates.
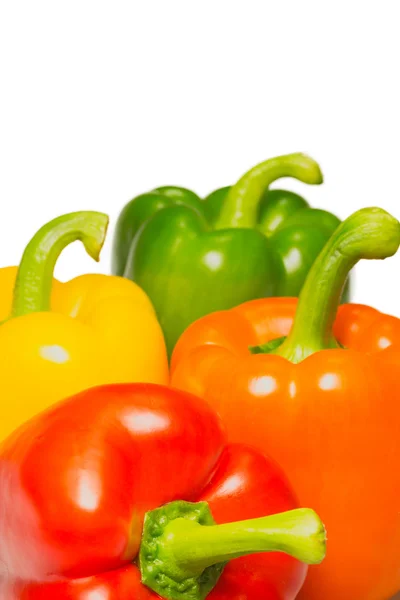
(57, 339)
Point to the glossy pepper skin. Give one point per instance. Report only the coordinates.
(78, 482)
(57, 339)
(194, 256)
(329, 412)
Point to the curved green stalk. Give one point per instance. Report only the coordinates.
(240, 208)
(370, 233)
(32, 289)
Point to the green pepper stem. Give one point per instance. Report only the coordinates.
(370, 233)
(183, 551)
(32, 291)
(241, 205)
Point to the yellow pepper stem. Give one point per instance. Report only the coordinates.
(32, 291)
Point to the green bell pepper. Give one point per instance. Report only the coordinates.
(194, 256)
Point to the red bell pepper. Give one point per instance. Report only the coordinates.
(112, 495)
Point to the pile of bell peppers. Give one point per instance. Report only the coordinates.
(143, 411)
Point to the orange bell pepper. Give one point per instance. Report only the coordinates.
(58, 339)
(326, 407)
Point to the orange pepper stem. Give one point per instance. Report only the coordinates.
(370, 233)
(241, 206)
(183, 552)
(32, 290)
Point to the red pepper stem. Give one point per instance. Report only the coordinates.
(32, 291)
(189, 551)
(195, 547)
(370, 233)
(241, 205)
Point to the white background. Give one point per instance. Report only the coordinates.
(103, 100)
